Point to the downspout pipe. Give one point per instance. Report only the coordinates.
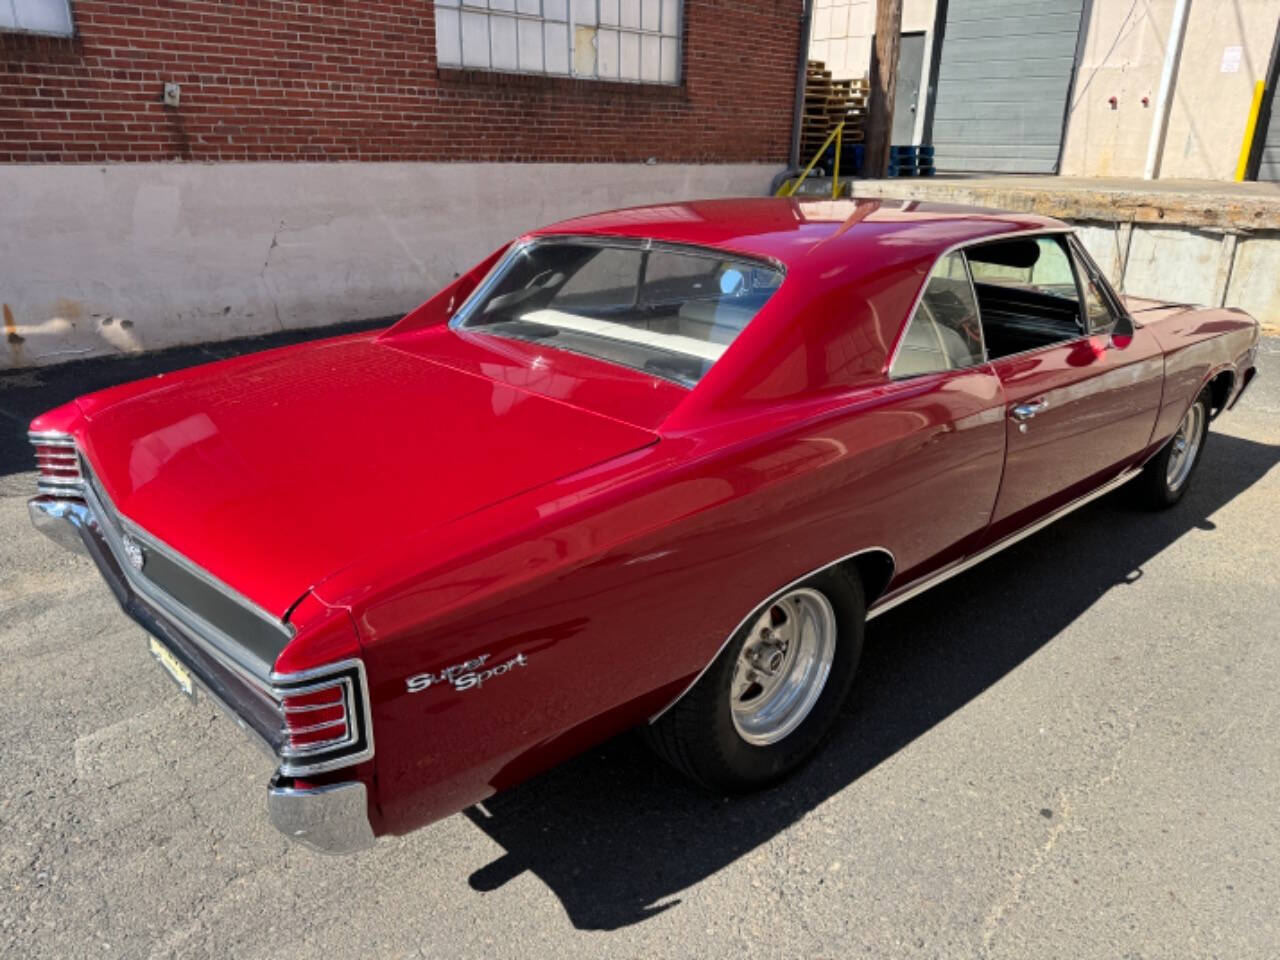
(797, 110)
(1164, 99)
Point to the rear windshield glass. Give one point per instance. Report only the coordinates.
(669, 311)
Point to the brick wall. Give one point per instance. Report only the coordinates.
(359, 81)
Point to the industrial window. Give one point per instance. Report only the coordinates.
(37, 16)
(630, 40)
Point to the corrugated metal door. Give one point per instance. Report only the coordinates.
(1269, 165)
(1004, 76)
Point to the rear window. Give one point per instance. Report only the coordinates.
(669, 311)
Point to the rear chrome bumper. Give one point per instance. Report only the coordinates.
(329, 819)
(332, 818)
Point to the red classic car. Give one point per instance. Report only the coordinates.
(650, 468)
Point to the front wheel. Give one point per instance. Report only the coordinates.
(774, 691)
(1167, 475)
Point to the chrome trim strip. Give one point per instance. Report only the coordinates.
(903, 594)
(329, 819)
(50, 438)
(754, 610)
(216, 643)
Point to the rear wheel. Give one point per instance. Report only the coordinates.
(773, 692)
(1167, 475)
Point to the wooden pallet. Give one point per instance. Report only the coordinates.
(827, 103)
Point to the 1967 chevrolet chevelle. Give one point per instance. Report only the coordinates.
(650, 468)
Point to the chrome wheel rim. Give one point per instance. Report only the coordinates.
(783, 666)
(1185, 446)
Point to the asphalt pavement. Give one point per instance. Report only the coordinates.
(1072, 750)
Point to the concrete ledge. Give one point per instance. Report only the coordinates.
(1236, 207)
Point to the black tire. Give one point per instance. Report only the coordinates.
(698, 735)
(1153, 488)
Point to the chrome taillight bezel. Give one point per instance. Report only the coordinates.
(56, 451)
(355, 746)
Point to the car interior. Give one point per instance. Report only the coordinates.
(1027, 294)
(670, 313)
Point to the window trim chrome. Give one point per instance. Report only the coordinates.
(977, 309)
(963, 245)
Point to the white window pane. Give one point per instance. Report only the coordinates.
(448, 44)
(475, 39)
(650, 59)
(502, 42)
(630, 13)
(584, 51)
(47, 16)
(502, 4)
(607, 50)
(671, 18)
(555, 9)
(555, 46)
(530, 33)
(670, 60)
(629, 56)
(650, 11)
(446, 3)
(529, 6)
(609, 12)
(584, 11)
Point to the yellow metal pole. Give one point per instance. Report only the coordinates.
(789, 189)
(1242, 166)
(835, 171)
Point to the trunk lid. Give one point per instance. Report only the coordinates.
(273, 472)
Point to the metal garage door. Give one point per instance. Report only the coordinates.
(1269, 166)
(1003, 79)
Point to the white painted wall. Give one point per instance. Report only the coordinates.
(132, 257)
(842, 31)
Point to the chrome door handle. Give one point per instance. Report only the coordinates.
(1025, 411)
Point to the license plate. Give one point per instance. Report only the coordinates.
(171, 665)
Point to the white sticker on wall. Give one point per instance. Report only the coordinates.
(1231, 59)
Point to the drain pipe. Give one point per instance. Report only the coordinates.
(1164, 99)
(797, 111)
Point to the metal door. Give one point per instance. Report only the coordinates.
(906, 99)
(1004, 76)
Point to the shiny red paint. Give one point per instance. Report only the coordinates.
(426, 496)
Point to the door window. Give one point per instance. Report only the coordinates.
(1099, 307)
(943, 332)
(1027, 294)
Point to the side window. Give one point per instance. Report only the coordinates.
(1097, 305)
(1027, 295)
(943, 333)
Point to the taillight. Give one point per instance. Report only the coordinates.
(57, 464)
(317, 719)
(326, 721)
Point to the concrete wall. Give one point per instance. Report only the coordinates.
(1123, 54)
(842, 32)
(131, 257)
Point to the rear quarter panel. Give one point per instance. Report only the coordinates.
(619, 585)
(1198, 344)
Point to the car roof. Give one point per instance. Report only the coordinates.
(788, 229)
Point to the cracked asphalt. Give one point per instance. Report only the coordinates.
(1072, 750)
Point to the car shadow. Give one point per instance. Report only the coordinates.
(27, 392)
(615, 834)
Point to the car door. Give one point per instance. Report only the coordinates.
(945, 415)
(1081, 381)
